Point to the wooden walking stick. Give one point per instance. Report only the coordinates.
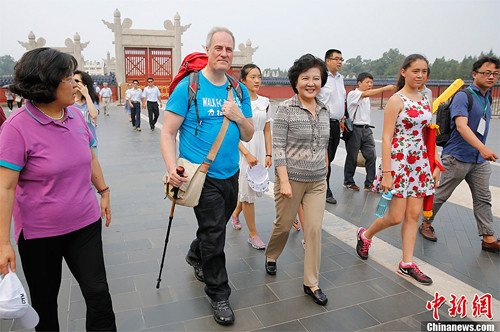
(180, 172)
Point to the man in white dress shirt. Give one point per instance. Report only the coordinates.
(152, 96)
(135, 95)
(333, 95)
(105, 97)
(358, 106)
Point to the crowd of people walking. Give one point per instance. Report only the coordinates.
(52, 198)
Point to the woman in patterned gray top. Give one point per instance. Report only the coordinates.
(300, 140)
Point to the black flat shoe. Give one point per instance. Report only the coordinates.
(318, 296)
(271, 268)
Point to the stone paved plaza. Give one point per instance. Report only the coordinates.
(363, 295)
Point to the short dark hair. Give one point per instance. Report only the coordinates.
(150, 78)
(135, 81)
(38, 74)
(361, 77)
(246, 69)
(483, 60)
(304, 63)
(330, 52)
(89, 83)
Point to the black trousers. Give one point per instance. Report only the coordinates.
(153, 113)
(42, 265)
(10, 104)
(135, 114)
(333, 143)
(361, 139)
(217, 202)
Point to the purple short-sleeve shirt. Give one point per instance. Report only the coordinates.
(54, 195)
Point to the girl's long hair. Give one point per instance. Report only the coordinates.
(407, 63)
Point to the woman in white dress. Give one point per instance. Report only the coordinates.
(256, 151)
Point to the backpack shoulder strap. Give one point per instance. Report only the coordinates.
(236, 86)
(470, 100)
(193, 87)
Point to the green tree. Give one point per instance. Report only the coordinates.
(7, 64)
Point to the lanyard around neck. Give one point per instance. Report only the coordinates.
(475, 94)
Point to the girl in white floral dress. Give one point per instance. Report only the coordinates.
(405, 165)
(257, 150)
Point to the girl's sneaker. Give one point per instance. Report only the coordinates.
(363, 245)
(414, 272)
(256, 242)
(296, 225)
(236, 222)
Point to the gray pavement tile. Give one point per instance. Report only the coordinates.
(390, 308)
(255, 278)
(245, 320)
(402, 324)
(288, 288)
(190, 290)
(252, 296)
(348, 319)
(384, 286)
(129, 320)
(287, 310)
(77, 310)
(295, 326)
(176, 312)
(152, 297)
(328, 264)
(76, 325)
(236, 266)
(121, 285)
(132, 269)
(352, 274)
(174, 327)
(346, 296)
(126, 301)
(152, 254)
(111, 248)
(116, 259)
(347, 259)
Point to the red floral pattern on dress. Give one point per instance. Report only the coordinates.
(410, 168)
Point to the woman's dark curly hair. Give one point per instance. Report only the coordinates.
(39, 72)
(304, 63)
(89, 83)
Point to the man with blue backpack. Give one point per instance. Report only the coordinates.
(197, 107)
(465, 155)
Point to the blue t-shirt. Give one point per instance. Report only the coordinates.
(195, 148)
(457, 146)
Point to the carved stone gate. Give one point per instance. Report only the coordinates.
(141, 63)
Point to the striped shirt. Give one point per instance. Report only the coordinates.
(300, 140)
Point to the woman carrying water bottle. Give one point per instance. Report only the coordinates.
(405, 165)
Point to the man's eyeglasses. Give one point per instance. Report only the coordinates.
(150, 81)
(489, 73)
(336, 59)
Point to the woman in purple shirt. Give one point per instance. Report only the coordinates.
(46, 171)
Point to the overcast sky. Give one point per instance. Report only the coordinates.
(282, 29)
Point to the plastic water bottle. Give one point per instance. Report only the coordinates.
(383, 204)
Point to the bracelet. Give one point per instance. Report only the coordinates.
(105, 190)
(268, 155)
(386, 172)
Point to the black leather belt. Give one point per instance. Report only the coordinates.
(364, 126)
(333, 120)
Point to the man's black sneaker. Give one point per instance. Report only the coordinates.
(198, 271)
(363, 245)
(414, 272)
(223, 314)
